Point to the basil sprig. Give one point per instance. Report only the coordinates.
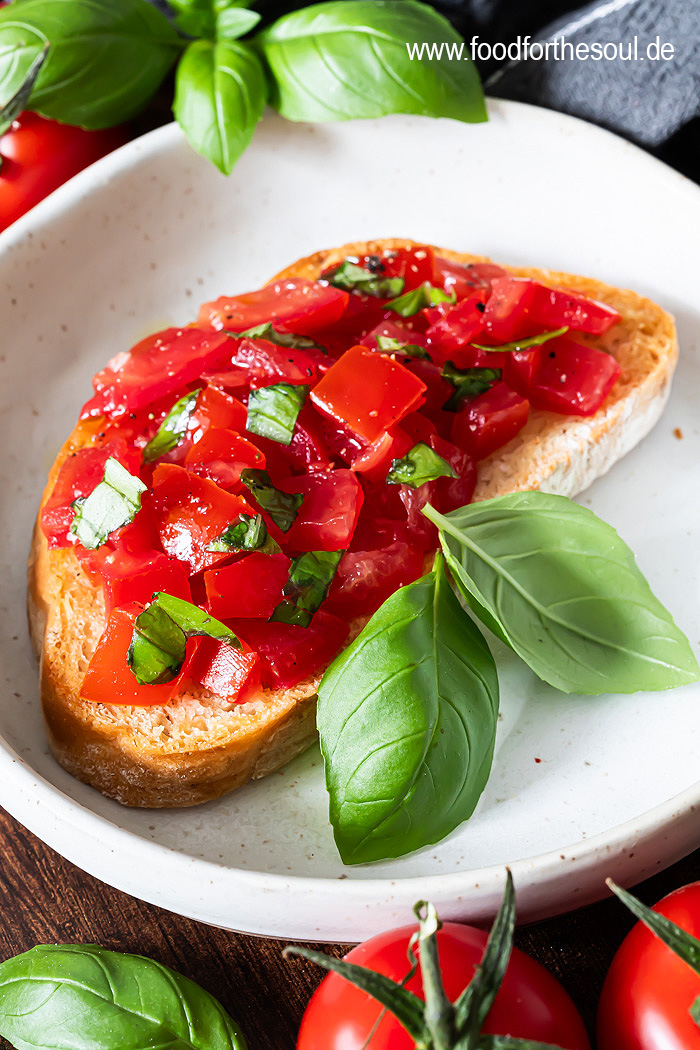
(353, 278)
(247, 534)
(407, 719)
(419, 465)
(273, 411)
(60, 996)
(310, 576)
(282, 507)
(563, 590)
(468, 383)
(114, 502)
(159, 640)
(173, 428)
(420, 298)
(524, 344)
(386, 344)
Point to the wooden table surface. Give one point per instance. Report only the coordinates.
(45, 899)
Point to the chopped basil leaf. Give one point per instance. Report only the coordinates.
(273, 411)
(523, 344)
(281, 506)
(424, 295)
(266, 331)
(173, 428)
(159, 641)
(310, 576)
(419, 465)
(353, 278)
(247, 534)
(387, 345)
(115, 501)
(468, 383)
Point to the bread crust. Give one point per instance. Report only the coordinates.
(197, 747)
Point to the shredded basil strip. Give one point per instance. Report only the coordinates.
(273, 411)
(419, 465)
(281, 506)
(159, 641)
(353, 278)
(523, 344)
(247, 534)
(310, 576)
(286, 339)
(468, 383)
(115, 501)
(173, 428)
(421, 297)
(386, 344)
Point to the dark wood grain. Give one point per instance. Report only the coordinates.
(45, 899)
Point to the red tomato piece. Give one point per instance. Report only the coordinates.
(308, 450)
(391, 330)
(508, 311)
(416, 265)
(552, 308)
(463, 278)
(418, 427)
(216, 408)
(365, 579)
(221, 455)
(251, 587)
(293, 305)
(109, 679)
(454, 327)
(327, 518)
(530, 1003)
(191, 511)
(233, 674)
(489, 420)
(291, 654)
(572, 379)
(375, 462)
(445, 494)
(437, 390)
(649, 990)
(519, 368)
(367, 392)
(264, 364)
(132, 578)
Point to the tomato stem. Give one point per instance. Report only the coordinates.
(439, 1011)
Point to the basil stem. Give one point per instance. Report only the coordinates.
(114, 502)
(424, 295)
(524, 344)
(282, 507)
(273, 411)
(310, 576)
(468, 383)
(388, 345)
(173, 428)
(420, 465)
(247, 534)
(353, 278)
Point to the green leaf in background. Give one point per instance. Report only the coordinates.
(220, 94)
(14, 106)
(63, 996)
(348, 58)
(234, 22)
(564, 591)
(407, 720)
(105, 59)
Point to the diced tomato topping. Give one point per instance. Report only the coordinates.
(463, 278)
(308, 450)
(418, 427)
(328, 515)
(445, 493)
(293, 305)
(367, 392)
(392, 330)
(191, 512)
(508, 311)
(416, 265)
(263, 363)
(552, 308)
(233, 674)
(572, 379)
(455, 327)
(221, 455)
(375, 462)
(216, 408)
(365, 579)
(136, 577)
(291, 654)
(519, 368)
(249, 587)
(489, 420)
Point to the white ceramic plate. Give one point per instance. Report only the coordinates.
(581, 787)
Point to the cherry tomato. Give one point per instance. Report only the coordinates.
(39, 154)
(648, 990)
(530, 1004)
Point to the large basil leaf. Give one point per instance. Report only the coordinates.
(564, 591)
(349, 58)
(61, 997)
(105, 59)
(407, 720)
(220, 94)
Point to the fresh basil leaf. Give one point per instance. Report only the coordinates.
(565, 592)
(524, 344)
(310, 576)
(247, 534)
(350, 58)
(113, 503)
(159, 640)
(266, 331)
(105, 60)
(468, 383)
(273, 411)
(353, 278)
(173, 428)
(63, 996)
(220, 95)
(196, 18)
(419, 465)
(281, 506)
(424, 295)
(407, 718)
(234, 22)
(12, 108)
(388, 345)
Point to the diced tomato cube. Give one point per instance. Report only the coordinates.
(390, 329)
(249, 587)
(291, 654)
(415, 264)
(264, 363)
(328, 515)
(445, 493)
(508, 311)
(307, 450)
(233, 674)
(221, 455)
(520, 367)
(573, 379)
(365, 579)
(553, 308)
(131, 578)
(489, 420)
(456, 327)
(215, 408)
(367, 392)
(375, 462)
(294, 305)
(463, 278)
(437, 390)
(418, 427)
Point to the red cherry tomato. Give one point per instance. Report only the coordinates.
(39, 154)
(648, 990)
(530, 1004)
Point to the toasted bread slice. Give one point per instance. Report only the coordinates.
(198, 747)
